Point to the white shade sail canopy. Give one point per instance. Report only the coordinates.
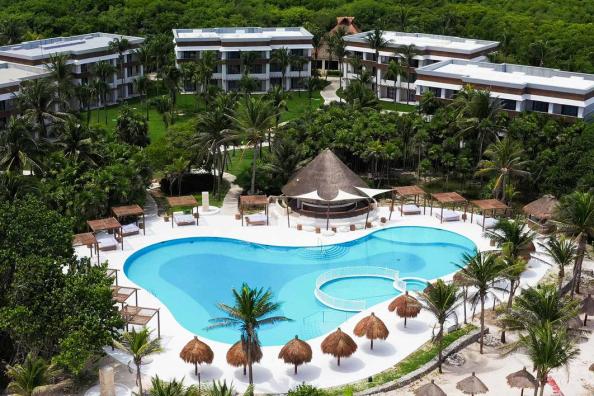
(341, 196)
(372, 192)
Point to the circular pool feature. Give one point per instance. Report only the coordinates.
(415, 284)
(190, 276)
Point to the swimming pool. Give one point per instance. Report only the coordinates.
(191, 275)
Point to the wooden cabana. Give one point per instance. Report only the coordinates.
(406, 193)
(112, 273)
(253, 201)
(539, 212)
(122, 293)
(488, 206)
(141, 316)
(447, 198)
(111, 225)
(184, 201)
(135, 211)
(87, 239)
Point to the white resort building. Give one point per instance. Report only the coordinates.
(11, 77)
(429, 49)
(520, 88)
(83, 51)
(230, 43)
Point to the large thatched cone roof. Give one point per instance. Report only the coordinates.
(430, 389)
(406, 306)
(339, 345)
(296, 352)
(325, 174)
(522, 379)
(196, 352)
(542, 208)
(371, 327)
(237, 354)
(472, 385)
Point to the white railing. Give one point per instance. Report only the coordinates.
(353, 305)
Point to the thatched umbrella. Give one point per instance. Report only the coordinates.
(296, 352)
(405, 306)
(430, 389)
(196, 352)
(522, 379)
(472, 385)
(587, 308)
(371, 327)
(237, 355)
(591, 367)
(339, 345)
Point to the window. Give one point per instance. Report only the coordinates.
(296, 83)
(275, 81)
(84, 68)
(542, 107)
(436, 91)
(571, 111)
(234, 55)
(233, 85)
(331, 65)
(508, 104)
(257, 69)
(233, 69)
(391, 92)
(450, 93)
(298, 52)
(275, 68)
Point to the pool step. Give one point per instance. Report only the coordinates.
(323, 252)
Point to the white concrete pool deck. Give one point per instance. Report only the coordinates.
(271, 375)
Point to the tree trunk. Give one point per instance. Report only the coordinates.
(482, 323)
(577, 270)
(512, 289)
(465, 292)
(561, 276)
(254, 159)
(249, 359)
(139, 379)
(440, 347)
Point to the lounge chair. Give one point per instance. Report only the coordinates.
(182, 219)
(409, 209)
(130, 229)
(490, 222)
(107, 242)
(255, 219)
(448, 215)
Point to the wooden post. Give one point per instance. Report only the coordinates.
(288, 216)
(327, 216)
(391, 206)
(441, 217)
(143, 223)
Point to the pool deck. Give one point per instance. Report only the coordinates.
(271, 375)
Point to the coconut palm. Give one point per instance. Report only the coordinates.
(120, 45)
(279, 98)
(18, 146)
(394, 71)
(142, 86)
(211, 127)
(247, 59)
(220, 388)
(76, 142)
(35, 377)
(482, 270)
(407, 53)
(171, 388)
(253, 118)
(574, 216)
(15, 185)
(143, 54)
(441, 299)
(252, 309)
(172, 76)
(298, 62)
(513, 234)
(282, 57)
(515, 266)
(504, 162)
(206, 68)
(84, 95)
(548, 348)
(11, 31)
(37, 101)
(337, 47)
(563, 251)
(61, 75)
(139, 345)
(104, 72)
(376, 41)
(175, 173)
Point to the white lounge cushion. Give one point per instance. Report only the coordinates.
(106, 241)
(410, 209)
(448, 215)
(130, 228)
(183, 219)
(489, 222)
(256, 218)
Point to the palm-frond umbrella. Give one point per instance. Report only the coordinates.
(237, 354)
(472, 385)
(522, 379)
(196, 352)
(430, 389)
(591, 367)
(339, 345)
(587, 308)
(296, 352)
(406, 306)
(371, 327)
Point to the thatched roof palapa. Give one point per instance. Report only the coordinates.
(371, 327)
(296, 352)
(326, 174)
(406, 306)
(339, 344)
(430, 389)
(237, 354)
(196, 352)
(472, 385)
(542, 208)
(522, 379)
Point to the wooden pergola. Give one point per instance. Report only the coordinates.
(122, 293)
(141, 316)
(107, 224)
(252, 201)
(447, 198)
(87, 239)
(406, 192)
(112, 273)
(485, 206)
(184, 201)
(130, 211)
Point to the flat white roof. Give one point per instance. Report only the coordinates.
(511, 75)
(241, 33)
(14, 73)
(39, 49)
(425, 41)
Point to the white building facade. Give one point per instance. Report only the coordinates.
(11, 77)
(429, 49)
(230, 43)
(520, 88)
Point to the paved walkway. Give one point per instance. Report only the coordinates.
(230, 200)
(329, 92)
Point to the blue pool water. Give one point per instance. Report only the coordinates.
(191, 275)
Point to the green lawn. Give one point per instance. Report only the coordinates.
(397, 106)
(241, 161)
(299, 104)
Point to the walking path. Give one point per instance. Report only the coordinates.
(329, 92)
(230, 200)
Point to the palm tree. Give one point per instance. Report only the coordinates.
(222, 389)
(278, 97)
(143, 53)
(515, 266)
(408, 53)
(394, 71)
(563, 252)
(11, 31)
(18, 146)
(138, 344)
(298, 62)
(84, 95)
(376, 41)
(513, 234)
(171, 76)
(75, 141)
(338, 48)
(37, 100)
(247, 59)
(253, 118)
(282, 57)
(504, 162)
(441, 299)
(211, 127)
(574, 216)
(61, 75)
(172, 388)
(548, 348)
(35, 377)
(142, 87)
(175, 173)
(120, 45)
(15, 185)
(206, 68)
(481, 270)
(104, 71)
(252, 309)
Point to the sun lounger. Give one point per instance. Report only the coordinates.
(181, 219)
(130, 229)
(490, 222)
(409, 209)
(256, 219)
(448, 215)
(107, 242)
